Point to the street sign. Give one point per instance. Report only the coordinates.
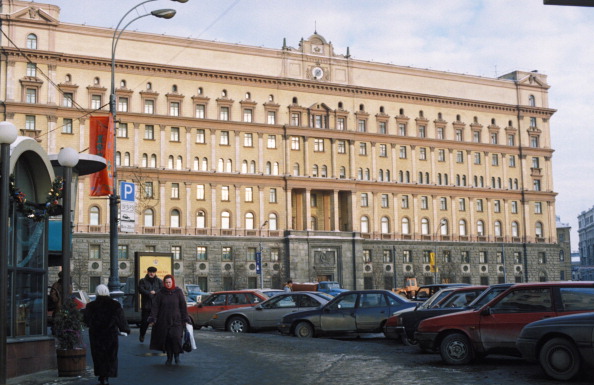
(258, 262)
(127, 207)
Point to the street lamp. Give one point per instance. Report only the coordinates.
(68, 159)
(114, 280)
(8, 134)
(259, 257)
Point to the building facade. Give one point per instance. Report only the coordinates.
(585, 270)
(333, 168)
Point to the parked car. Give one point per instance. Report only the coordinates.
(267, 314)
(403, 324)
(362, 311)
(203, 311)
(494, 328)
(427, 291)
(194, 293)
(271, 292)
(562, 345)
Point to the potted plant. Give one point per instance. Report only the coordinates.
(70, 348)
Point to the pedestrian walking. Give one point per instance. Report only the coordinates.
(148, 287)
(168, 318)
(106, 321)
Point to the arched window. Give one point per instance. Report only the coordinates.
(170, 162)
(272, 222)
(314, 223)
(118, 158)
(401, 176)
(244, 167)
(515, 229)
(144, 160)
(179, 163)
(444, 228)
(225, 220)
(296, 169)
(425, 226)
(31, 41)
(229, 166)
(480, 228)
(387, 175)
(204, 164)
(94, 219)
(405, 226)
(174, 220)
(153, 161)
(249, 221)
(367, 174)
(462, 227)
(201, 220)
(360, 173)
(407, 177)
(275, 168)
(314, 171)
(539, 230)
(221, 165)
(127, 159)
(149, 218)
(381, 175)
(324, 172)
(497, 228)
(364, 224)
(268, 168)
(253, 167)
(531, 101)
(196, 164)
(385, 224)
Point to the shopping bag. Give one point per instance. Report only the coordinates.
(189, 338)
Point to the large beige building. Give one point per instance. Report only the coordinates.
(335, 168)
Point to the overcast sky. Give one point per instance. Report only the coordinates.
(485, 38)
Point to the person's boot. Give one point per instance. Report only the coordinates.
(176, 356)
(169, 356)
(141, 338)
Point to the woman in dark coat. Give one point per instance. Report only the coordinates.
(169, 315)
(105, 319)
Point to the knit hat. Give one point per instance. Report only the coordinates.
(102, 290)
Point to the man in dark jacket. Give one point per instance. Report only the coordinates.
(148, 287)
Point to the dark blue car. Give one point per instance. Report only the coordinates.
(358, 311)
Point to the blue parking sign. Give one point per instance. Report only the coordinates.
(127, 191)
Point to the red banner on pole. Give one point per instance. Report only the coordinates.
(101, 142)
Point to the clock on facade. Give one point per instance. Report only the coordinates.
(317, 73)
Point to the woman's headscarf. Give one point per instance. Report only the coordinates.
(102, 290)
(172, 281)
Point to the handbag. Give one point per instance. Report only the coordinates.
(188, 342)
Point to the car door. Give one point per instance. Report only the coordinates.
(502, 323)
(269, 314)
(372, 309)
(339, 315)
(212, 305)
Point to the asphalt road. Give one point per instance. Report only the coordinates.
(269, 358)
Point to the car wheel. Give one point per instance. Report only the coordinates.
(406, 341)
(304, 330)
(560, 359)
(237, 325)
(455, 349)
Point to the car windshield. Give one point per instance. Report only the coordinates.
(434, 299)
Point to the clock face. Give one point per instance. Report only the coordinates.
(317, 73)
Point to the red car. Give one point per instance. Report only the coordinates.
(493, 328)
(203, 311)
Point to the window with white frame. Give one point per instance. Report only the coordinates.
(462, 204)
(479, 205)
(477, 158)
(31, 95)
(67, 126)
(404, 201)
(96, 102)
(175, 190)
(149, 132)
(31, 41)
(537, 207)
(225, 193)
(495, 159)
(514, 207)
(341, 146)
(200, 136)
(200, 192)
(271, 141)
(224, 113)
(201, 254)
(123, 130)
(224, 139)
(362, 125)
(272, 195)
(31, 70)
(295, 143)
(424, 203)
(443, 203)
(441, 155)
(248, 115)
(497, 206)
(422, 153)
(382, 128)
(511, 140)
(318, 145)
(200, 220)
(30, 122)
(385, 201)
(248, 139)
(122, 104)
(422, 131)
(402, 129)
(295, 119)
(459, 136)
(249, 194)
(383, 150)
(362, 148)
(271, 117)
(149, 106)
(174, 134)
(200, 111)
(364, 200)
(512, 161)
(340, 124)
(402, 152)
(148, 190)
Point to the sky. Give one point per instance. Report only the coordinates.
(477, 37)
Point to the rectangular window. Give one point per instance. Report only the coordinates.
(479, 205)
(227, 254)
(174, 109)
(361, 125)
(224, 140)
(383, 150)
(385, 201)
(514, 207)
(483, 257)
(123, 104)
(68, 99)
(402, 152)
(174, 134)
(175, 190)
(200, 136)
(494, 159)
(340, 124)
(462, 204)
(249, 194)
(535, 162)
(422, 153)
(200, 111)
(387, 256)
(532, 122)
(251, 254)
(459, 157)
(542, 258)
(200, 191)
(364, 200)
(441, 155)
(494, 138)
(499, 257)
(248, 115)
(424, 203)
(477, 158)
(366, 256)
(95, 251)
(177, 252)
(422, 131)
(341, 147)
(271, 117)
(248, 140)
(464, 257)
(511, 140)
(534, 141)
(512, 161)
(274, 255)
(402, 129)
(224, 113)
(536, 184)
(148, 189)
(201, 254)
(405, 201)
(362, 148)
(537, 207)
(476, 136)
(272, 195)
(271, 141)
(295, 119)
(30, 122)
(382, 128)
(122, 251)
(31, 95)
(497, 206)
(123, 130)
(443, 203)
(96, 102)
(318, 145)
(31, 70)
(225, 193)
(149, 106)
(67, 126)
(459, 136)
(295, 143)
(149, 132)
(407, 256)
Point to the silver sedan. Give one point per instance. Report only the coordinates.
(267, 314)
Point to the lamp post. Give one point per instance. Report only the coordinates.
(68, 159)
(114, 280)
(259, 257)
(8, 134)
